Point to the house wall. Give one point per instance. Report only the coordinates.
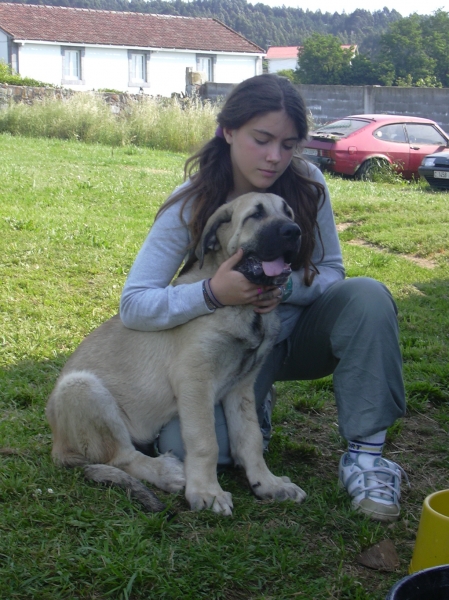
(168, 72)
(233, 69)
(108, 68)
(279, 64)
(43, 63)
(3, 47)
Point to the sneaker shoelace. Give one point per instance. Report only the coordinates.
(385, 487)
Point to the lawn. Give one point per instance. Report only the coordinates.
(72, 217)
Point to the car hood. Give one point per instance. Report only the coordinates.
(440, 155)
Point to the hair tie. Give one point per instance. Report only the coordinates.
(219, 132)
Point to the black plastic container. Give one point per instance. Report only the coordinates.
(429, 584)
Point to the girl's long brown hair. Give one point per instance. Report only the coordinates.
(210, 170)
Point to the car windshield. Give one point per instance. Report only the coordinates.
(342, 127)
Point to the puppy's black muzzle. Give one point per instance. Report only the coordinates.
(279, 239)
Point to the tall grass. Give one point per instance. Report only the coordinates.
(163, 124)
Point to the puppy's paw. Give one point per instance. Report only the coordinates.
(278, 488)
(215, 498)
(171, 473)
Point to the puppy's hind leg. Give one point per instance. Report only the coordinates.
(88, 429)
(113, 476)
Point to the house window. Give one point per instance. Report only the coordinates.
(138, 64)
(205, 64)
(72, 65)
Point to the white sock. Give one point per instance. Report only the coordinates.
(372, 444)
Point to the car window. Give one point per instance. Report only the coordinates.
(391, 133)
(419, 133)
(343, 127)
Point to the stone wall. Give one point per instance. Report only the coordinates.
(28, 95)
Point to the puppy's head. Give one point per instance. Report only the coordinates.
(263, 226)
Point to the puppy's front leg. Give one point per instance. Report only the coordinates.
(247, 446)
(196, 414)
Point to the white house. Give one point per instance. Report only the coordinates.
(282, 57)
(286, 57)
(87, 49)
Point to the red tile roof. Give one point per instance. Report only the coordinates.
(86, 26)
(279, 52)
(282, 52)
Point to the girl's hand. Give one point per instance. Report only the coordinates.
(231, 288)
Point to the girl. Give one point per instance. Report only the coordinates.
(330, 324)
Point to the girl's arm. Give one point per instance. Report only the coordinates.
(149, 302)
(329, 264)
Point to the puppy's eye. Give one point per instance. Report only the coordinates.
(259, 213)
(288, 211)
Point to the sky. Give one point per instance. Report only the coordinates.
(404, 7)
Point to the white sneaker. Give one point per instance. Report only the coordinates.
(374, 484)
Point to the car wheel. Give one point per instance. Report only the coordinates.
(370, 167)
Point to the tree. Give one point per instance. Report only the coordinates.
(404, 49)
(323, 61)
(436, 39)
(362, 72)
(291, 74)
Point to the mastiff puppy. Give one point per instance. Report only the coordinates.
(121, 386)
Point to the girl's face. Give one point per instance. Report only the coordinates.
(261, 150)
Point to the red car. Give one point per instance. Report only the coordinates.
(353, 145)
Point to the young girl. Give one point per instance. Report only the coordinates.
(330, 324)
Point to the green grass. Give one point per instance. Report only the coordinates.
(72, 217)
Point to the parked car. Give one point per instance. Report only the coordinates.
(435, 168)
(355, 144)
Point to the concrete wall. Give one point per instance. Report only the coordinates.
(330, 102)
(327, 103)
(215, 91)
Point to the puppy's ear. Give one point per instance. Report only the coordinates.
(209, 240)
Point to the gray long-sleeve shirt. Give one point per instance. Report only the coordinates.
(150, 303)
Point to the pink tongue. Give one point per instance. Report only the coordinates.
(273, 267)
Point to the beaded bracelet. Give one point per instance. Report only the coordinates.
(211, 295)
(211, 301)
(210, 305)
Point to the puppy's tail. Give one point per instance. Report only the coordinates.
(116, 477)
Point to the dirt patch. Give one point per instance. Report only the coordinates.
(425, 263)
(343, 226)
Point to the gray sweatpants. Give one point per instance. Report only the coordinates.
(351, 331)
